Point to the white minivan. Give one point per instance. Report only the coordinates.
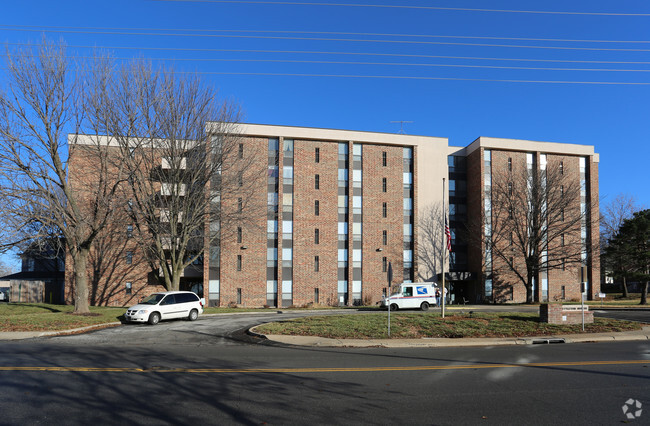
(166, 305)
(413, 296)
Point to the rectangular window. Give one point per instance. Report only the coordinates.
(384, 264)
(317, 182)
(129, 231)
(563, 292)
(239, 262)
(316, 236)
(240, 179)
(317, 155)
(384, 209)
(562, 240)
(241, 150)
(316, 264)
(316, 208)
(509, 164)
(240, 205)
(384, 237)
(239, 296)
(561, 167)
(129, 288)
(129, 257)
(383, 185)
(384, 159)
(562, 215)
(239, 234)
(316, 296)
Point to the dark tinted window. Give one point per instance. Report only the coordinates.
(186, 297)
(168, 300)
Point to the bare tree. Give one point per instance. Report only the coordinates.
(534, 225)
(44, 108)
(189, 174)
(430, 244)
(612, 216)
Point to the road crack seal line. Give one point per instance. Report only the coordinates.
(317, 370)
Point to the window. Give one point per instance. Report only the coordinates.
(383, 185)
(562, 190)
(239, 296)
(317, 155)
(384, 237)
(316, 208)
(408, 291)
(240, 205)
(316, 236)
(130, 205)
(563, 264)
(384, 209)
(239, 262)
(317, 182)
(129, 231)
(316, 295)
(239, 234)
(129, 257)
(384, 159)
(384, 264)
(562, 240)
(509, 188)
(512, 239)
(563, 292)
(240, 179)
(129, 288)
(509, 164)
(241, 150)
(561, 167)
(562, 214)
(316, 264)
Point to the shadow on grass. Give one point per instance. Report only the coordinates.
(36, 305)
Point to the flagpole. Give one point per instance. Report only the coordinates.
(444, 248)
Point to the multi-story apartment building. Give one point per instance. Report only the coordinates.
(343, 209)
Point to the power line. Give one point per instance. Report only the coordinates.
(405, 64)
(71, 31)
(625, 83)
(389, 6)
(318, 52)
(199, 30)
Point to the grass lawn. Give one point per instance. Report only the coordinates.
(415, 325)
(46, 317)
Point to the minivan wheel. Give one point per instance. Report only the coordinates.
(154, 318)
(194, 314)
(393, 306)
(424, 306)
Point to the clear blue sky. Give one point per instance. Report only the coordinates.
(359, 66)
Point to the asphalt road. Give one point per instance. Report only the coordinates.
(208, 371)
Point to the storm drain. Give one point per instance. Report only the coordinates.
(547, 341)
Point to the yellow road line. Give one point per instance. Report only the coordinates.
(319, 370)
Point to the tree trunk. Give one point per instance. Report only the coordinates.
(644, 294)
(626, 293)
(80, 263)
(529, 288)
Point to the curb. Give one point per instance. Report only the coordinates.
(314, 341)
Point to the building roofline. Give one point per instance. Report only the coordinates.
(535, 146)
(309, 133)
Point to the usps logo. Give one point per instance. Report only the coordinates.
(421, 290)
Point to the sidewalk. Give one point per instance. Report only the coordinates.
(642, 335)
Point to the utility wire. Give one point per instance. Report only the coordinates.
(391, 6)
(198, 30)
(317, 52)
(401, 64)
(70, 31)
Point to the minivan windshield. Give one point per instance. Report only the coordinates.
(153, 299)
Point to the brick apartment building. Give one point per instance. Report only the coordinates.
(342, 208)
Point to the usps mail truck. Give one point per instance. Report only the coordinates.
(412, 296)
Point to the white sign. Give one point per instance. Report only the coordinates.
(602, 295)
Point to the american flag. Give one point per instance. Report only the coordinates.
(448, 234)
